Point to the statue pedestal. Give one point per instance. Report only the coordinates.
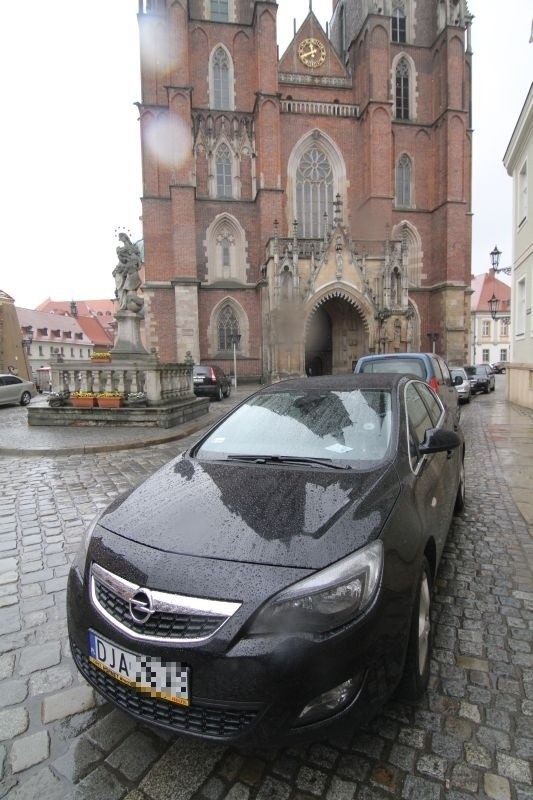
(128, 340)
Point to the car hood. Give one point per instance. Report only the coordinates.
(262, 514)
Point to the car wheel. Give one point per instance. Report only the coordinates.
(460, 498)
(228, 391)
(486, 391)
(25, 399)
(219, 394)
(467, 399)
(416, 671)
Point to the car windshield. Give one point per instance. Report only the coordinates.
(404, 365)
(329, 426)
(470, 371)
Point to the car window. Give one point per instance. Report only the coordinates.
(9, 380)
(414, 366)
(445, 371)
(349, 426)
(418, 422)
(432, 402)
(201, 370)
(435, 363)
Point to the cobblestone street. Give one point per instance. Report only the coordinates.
(471, 736)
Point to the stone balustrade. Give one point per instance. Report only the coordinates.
(161, 383)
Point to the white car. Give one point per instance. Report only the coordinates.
(463, 389)
(15, 390)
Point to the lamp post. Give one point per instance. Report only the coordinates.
(495, 261)
(494, 305)
(27, 342)
(433, 338)
(235, 339)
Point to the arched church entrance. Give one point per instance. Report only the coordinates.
(335, 338)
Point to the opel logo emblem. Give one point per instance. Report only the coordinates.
(141, 608)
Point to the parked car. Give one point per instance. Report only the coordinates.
(481, 380)
(210, 381)
(275, 579)
(428, 366)
(499, 366)
(15, 390)
(488, 365)
(463, 385)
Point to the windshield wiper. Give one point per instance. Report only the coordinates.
(259, 459)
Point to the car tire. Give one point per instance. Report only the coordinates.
(219, 395)
(467, 399)
(416, 670)
(486, 391)
(25, 398)
(228, 391)
(460, 498)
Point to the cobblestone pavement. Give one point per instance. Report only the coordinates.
(470, 737)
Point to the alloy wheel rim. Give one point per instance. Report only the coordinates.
(423, 624)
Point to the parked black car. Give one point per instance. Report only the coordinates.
(499, 366)
(211, 381)
(275, 579)
(481, 379)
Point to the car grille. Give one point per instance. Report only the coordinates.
(153, 615)
(219, 722)
(160, 625)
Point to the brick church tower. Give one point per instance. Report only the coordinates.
(309, 209)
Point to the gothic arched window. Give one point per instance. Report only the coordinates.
(228, 329)
(223, 172)
(399, 27)
(403, 181)
(219, 10)
(314, 193)
(402, 89)
(221, 72)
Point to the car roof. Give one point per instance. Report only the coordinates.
(347, 382)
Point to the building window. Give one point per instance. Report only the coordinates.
(223, 172)
(504, 328)
(72, 352)
(41, 350)
(219, 10)
(485, 355)
(522, 194)
(403, 181)
(398, 25)
(221, 72)
(485, 330)
(81, 352)
(402, 89)
(503, 355)
(228, 329)
(520, 328)
(314, 193)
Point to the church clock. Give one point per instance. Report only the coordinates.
(312, 53)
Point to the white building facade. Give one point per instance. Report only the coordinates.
(518, 161)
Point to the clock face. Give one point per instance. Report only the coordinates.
(312, 53)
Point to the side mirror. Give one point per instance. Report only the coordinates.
(438, 440)
(458, 380)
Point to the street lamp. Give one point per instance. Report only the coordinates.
(235, 339)
(433, 338)
(494, 304)
(495, 260)
(27, 341)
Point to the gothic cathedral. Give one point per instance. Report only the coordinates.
(303, 210)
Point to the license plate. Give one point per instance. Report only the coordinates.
(168, 680)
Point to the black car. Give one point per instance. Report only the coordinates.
(481, 378)
(498, 367)
(210, 381)
(275, 579)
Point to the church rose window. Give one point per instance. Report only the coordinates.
(402, 89)
(314, 193)
(228, 329)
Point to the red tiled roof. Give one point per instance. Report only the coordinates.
(486, 285)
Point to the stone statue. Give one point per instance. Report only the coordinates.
(126, 275)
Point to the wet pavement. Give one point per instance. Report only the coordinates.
(470, 737)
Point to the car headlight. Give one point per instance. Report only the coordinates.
(326, 600)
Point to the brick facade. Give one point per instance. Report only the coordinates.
(223, 185)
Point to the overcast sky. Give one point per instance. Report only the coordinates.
(70, 156)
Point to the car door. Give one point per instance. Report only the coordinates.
(12, 390)
(435, 484)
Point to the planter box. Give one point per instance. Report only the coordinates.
(110, 402)
(100, 361)
(83, 402)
